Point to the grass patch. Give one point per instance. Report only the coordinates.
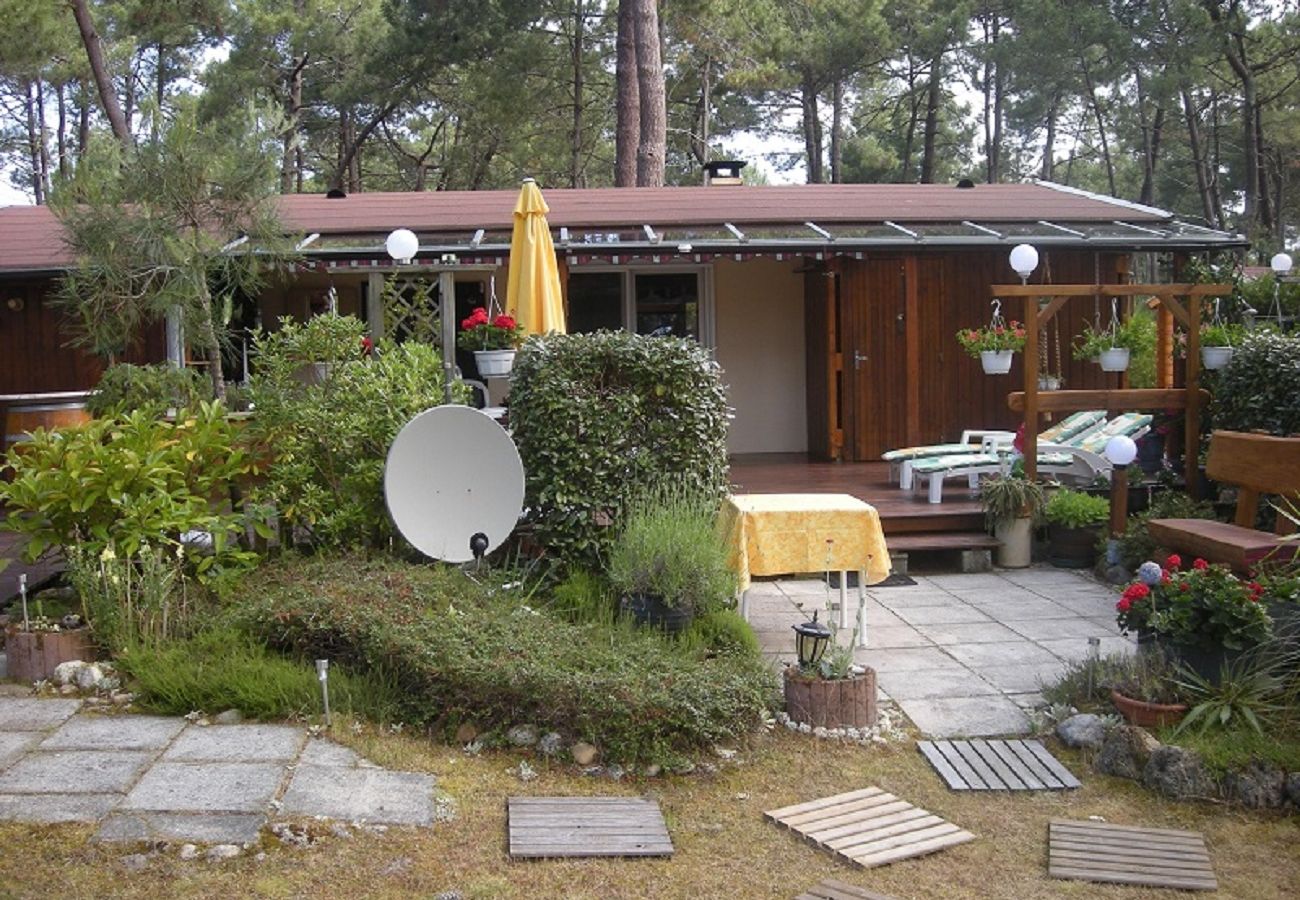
(1228, 751)
(223, 669)
(459, 651)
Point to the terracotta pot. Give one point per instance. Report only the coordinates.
(1148, 715)
(34, 655)
(842, 703)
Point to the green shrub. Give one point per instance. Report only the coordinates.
(584, 597)
(327, 441)
(456, 651)
(600, 417)
(1257, 391)
(151, 390)
(722, 631)
(224, 668)
(670, 547)
(1075, 509)
(1136, 545)
(123, 483)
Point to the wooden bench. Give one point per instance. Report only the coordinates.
(1256, 464)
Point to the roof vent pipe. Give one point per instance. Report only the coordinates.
(723, 171)
(336, 194)
(966, 184)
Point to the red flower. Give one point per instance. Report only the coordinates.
(506, 322)
(367, 346)
(1019, 442)
(1256, 588)
(1164, 576)
(1184, 586)
(1124, 604)
(1174, 561)
(1200, 564)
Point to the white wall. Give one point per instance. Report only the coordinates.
(760, 345)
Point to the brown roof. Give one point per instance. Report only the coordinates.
(30, 238)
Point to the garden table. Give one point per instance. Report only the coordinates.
(785, 534)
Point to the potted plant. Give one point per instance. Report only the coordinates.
(1146, 691)
(1072, 521)
(36, 643)
(669, 561)
(1217, 340)
(824, 689)
(492, 340)
(1012, 504)
(1108, 347)
(994, 344)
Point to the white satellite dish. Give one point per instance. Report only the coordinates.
(454, 479)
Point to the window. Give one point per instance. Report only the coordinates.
(668, 304)
(647, 301)
(595, 301)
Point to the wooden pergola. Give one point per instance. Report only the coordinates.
(1175, 302)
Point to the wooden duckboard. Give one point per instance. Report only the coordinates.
(1120, 854)
(541, 827)
(997, 766)
(834, 889)
(869, 827)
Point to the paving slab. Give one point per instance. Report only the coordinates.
(920, 684)
(1077, 650)
(1000, 654)
(13, 744)
(209, 787)
(372, 795)
(74, 772)
(899, 598)
(50, 808)
(886, 637)
(967, 633)
(88, 732)
(137, 826)
(966, 716)
(941, 615)
(968, 581)
(804, 587)
(905, 659)
(1022, 677)
(31, 714)
(760, 589)
(324, 752)
(237, 743)
(1052, 629)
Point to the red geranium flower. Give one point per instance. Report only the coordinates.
(1174, 561)
(1184, 586)
(1136, 591)
(367, 346)
(1200, 564)
(1124, 604)
(504, 322)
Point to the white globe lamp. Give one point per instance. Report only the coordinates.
(1281, 264)
(1024, 259)
(1121, 450)
(402, 245)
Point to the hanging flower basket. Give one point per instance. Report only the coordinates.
(494, 363)
(1114, 359)
(996, 362)
(1216, 357)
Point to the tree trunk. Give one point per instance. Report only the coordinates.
(33, 139)
(43, 138)
(627, 135)
(212, 346)
(160, 88)
(1198, 158)
(933, 98)
(99, 70)
(1151, 157)
(1049, 142)
(999, 100)
(83, 123)
(837, 131)
(1101, 125)
(62, 136)
(575, 133)
(652, 149)
(812, 134)
(913, 114)
(700, 142)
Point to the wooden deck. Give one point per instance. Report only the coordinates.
(904, 515)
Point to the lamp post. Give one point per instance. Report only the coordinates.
(811, 639)
(1281, 265)
(403, 246)
(1024, 259)
(1120, 451)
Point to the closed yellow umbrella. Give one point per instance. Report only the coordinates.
(533, 291)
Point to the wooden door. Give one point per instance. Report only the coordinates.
(874, 297)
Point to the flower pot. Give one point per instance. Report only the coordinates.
(1071, 548)
(1151, 453)
(494, 363)
(651, 610)
(1216, 357)
(34, 655)
(996, 362)
(841, 703)
(1148, 715)
(1049, 382)
(1207, 662)
(1015, 547)
(1114, 360)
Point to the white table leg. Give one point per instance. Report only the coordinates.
(744, 605)
(862, 610)
(844, 599)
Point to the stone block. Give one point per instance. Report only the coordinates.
(50, 808)
(977, 560)
(85, 732)
(954, 717)
(237, 743)
(138, 826)
(322, 752)
(74, 772)
(373, 795)
(30, 714)
(211, 787)
(1125, 751)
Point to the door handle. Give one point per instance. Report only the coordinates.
(858, 359)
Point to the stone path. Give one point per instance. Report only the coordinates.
(154, 778)
(962, 655)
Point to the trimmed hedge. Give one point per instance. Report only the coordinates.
(600, 417)
(1258, 390)
(457, 651)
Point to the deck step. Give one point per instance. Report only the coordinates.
(941, 540)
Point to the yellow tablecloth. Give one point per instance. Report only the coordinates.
(781, 534)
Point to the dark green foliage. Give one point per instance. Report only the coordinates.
(584, 597)
(1136, 545)
(1075, 509)
(456, 651)
(224, 668)
(151, 389)
(599, 417)
(1147, 675)
(722, 631)
(1259, 389)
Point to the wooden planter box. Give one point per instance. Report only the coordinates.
(34, 655)
(846, 703)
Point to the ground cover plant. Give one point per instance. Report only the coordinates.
(459, 651)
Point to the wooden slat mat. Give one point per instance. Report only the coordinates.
(586, 826)
(1119, 854)
(834, 889)
(997, 766)
(869, 827)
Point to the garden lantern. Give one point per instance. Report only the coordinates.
(1281, 266)
(402, 245)
(1120, 451)
(811, 639)
(1024, 259)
